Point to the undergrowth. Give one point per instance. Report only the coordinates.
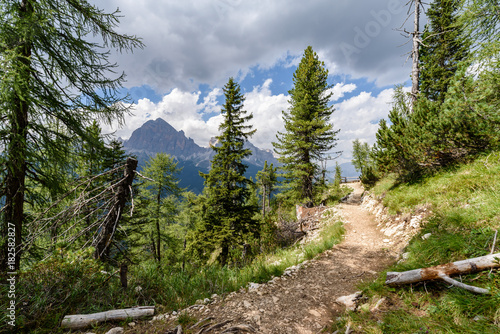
(465, 201)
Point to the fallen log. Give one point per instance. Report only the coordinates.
(444, 271)
(78, 321)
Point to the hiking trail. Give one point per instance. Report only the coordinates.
(304, 301)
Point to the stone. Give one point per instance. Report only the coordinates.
(350, 301)
(426, 236)
(131, 324)
(247, 304)
(116, 330)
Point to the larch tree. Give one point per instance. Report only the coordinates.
(443, 48)
(158, 193)
(308, 130)
(54, 69)
(228, 218)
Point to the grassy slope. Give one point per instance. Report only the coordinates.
(465, 202)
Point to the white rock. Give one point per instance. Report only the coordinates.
(387, 240)
(350, 301)
(138, 288)
(426, 236)
(174, 313)
(131, 324)
(253, 286)
(247, 304)
(116, 330)
(206, 301)
(214, 296)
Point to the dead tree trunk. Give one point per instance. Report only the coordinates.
(79, 321)
(415, 71)
(110, 224)
(444, 271)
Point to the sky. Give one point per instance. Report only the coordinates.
(192, 47)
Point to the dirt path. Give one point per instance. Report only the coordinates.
(304, 302)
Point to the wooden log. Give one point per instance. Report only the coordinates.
(79, 321)
(444, 271)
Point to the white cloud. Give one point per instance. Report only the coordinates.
(358, 118)
(340, 89)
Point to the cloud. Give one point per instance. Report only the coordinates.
(191, 42)
(340, 89)
(184, 111)
(358, 118)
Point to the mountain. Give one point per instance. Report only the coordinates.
(160, 137)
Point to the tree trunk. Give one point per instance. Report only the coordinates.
(415, 72)
(443, 271)
(80, 321)
(110, 225)
(264, 201)
(16, 152)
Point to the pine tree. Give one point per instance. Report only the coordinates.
(227, 217)
(53, 70)
(442, 49)
(309, 133)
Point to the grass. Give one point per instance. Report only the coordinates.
(72, 283)
(465, 201)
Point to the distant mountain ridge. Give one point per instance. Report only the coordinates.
(158, 136)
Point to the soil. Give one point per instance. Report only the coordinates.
(304, 300)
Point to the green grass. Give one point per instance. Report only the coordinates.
(465, 201)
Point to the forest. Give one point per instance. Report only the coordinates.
(77, 215)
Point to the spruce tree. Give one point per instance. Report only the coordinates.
(308, 131)
(227, 217)
(54, 69)
(442, 49)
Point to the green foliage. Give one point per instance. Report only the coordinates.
(363, 161)
(56, 79)
(309, 132)
(159, 193)
(228, 219)
(267, 179)
(443, 48)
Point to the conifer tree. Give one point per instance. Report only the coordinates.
(443, 48)
(158, 194)
(227, 217)
(308, 131)
(266, 179)
(54, 69)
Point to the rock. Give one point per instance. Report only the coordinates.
(131, 324)
(426, 236)
(247, 304)
(387, 241)
(213, 296)
(253, 286)
(350, 301)
(138, 288)
(116, 330)
(275, 299)
(174, 313)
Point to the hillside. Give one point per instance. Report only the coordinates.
(459, 209)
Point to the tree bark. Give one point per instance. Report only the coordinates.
(17, 153)
(443, 271)
(79, 321)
